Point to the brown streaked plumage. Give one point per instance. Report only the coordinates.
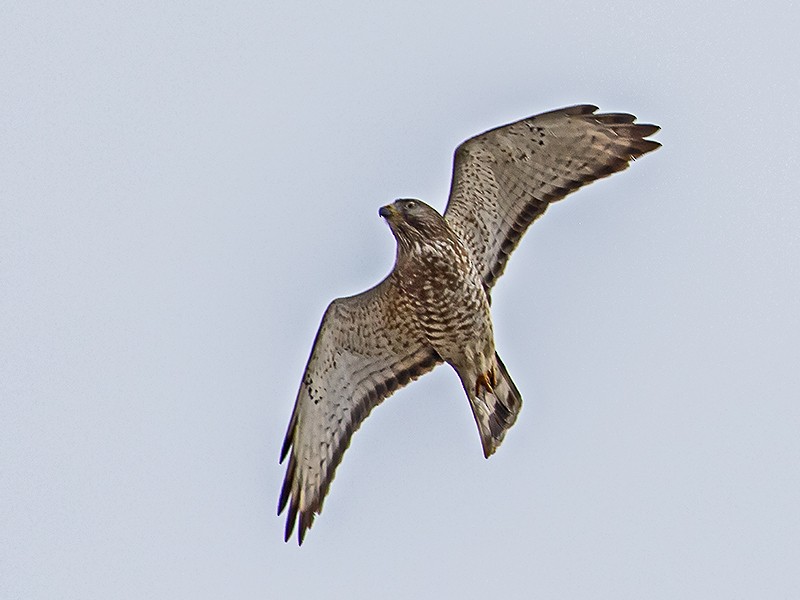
(434, 305)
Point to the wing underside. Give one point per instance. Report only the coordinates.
(363, 352)
(505, 178)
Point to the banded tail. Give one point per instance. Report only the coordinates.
(495, 403)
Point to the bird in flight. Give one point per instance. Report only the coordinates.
(434, 305)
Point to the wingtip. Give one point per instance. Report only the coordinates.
(647, 129)
(306, 521)
(645, 146)
(581, 109)
(287, 441)
(290, 521)
(284, 451)
(286, 488)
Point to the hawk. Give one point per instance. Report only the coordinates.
(433, 307)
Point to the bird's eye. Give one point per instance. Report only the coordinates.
(411, 205)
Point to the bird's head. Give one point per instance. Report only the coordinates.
(413, 221)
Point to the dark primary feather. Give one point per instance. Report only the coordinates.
(505, 178)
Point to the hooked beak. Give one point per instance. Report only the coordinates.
(387, 211)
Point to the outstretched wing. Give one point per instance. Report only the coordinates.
(505, 178)
(365, 349)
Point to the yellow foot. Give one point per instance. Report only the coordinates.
(487, 381)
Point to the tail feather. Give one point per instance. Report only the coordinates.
(495, 411)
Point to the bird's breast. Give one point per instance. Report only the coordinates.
(447, 297)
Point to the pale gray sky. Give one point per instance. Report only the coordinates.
(184, 189)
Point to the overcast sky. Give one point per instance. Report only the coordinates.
(182, 192)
